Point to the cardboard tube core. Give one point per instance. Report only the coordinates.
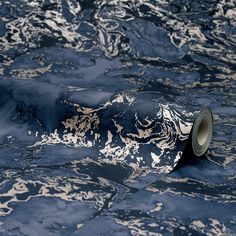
(202, 131)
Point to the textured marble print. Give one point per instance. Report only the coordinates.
(97, 102)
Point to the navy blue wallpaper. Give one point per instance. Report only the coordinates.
(97, 102)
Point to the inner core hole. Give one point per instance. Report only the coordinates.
(202, 132)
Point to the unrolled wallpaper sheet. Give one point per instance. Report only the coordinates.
(106, 117)
(123, 136)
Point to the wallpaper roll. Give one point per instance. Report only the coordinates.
(200, 135)
(130, 128)
(201, 132)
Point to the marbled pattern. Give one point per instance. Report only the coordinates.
(97, 101)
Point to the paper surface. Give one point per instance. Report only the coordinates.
(97, 99)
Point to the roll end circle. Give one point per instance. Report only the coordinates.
(202, 131)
